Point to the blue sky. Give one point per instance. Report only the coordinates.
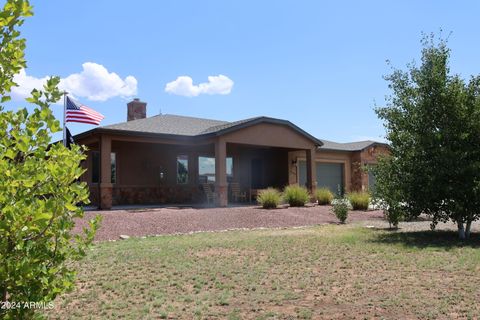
(318, 64)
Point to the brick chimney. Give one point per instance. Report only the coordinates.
(136, 110)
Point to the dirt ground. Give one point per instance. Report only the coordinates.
(172, 220)
(322, 272)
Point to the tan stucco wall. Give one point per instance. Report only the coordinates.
(141, 163)
(269, 135)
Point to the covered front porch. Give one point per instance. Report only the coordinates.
(124, 170)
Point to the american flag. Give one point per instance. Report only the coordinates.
(77, 112)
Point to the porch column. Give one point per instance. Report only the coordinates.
(221, 187)
(105, 173)
(192, 168)
(311, 174)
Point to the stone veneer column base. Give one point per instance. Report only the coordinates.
(222, 195)
(105, 196)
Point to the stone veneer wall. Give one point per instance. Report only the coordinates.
(360, 160)
(122, 195)
(357, 172)
(93, 195)
(156, 194)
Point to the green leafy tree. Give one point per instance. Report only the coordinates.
(432, 121)
(39, 191)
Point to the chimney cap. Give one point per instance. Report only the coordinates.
(136, 109)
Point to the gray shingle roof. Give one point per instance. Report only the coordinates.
(228, 125)
(168, 124)
(349, 146)
(189, 126)
(182, 125)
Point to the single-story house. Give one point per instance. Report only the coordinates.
(169, 159)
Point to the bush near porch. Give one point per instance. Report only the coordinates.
(359, 200)
(296, 196)
(324, 196)
(269, 198)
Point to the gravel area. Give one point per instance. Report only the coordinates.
(180, 220)
(173, 220)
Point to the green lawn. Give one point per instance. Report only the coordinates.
(328, 271)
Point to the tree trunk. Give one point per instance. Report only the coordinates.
(467, 229)
(461, 230)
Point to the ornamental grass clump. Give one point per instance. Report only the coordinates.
(269, 198)
(359, 200)
(296, 196)
(324, 196)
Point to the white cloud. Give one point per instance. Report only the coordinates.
(97, 84)
(183, 86)
(26, 84)
(94, 82)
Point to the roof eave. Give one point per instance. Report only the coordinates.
(100, 130)
(335, 150)
(133, 133)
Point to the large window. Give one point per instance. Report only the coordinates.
(96, 167)
(229, 163)
(206, 169)
(182, 169)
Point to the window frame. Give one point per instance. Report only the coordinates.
(229, 176)
(96, 161)
(178, 159)
(113, 177)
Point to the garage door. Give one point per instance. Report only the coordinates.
(329, 175)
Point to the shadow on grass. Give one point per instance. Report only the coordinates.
(426, 239)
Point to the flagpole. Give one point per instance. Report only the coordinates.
(64, 118)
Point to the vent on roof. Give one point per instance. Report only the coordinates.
(136, 109)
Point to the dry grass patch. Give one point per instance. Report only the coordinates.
(320, 272)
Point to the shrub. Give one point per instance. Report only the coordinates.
(39, 191)
(393, 211)
(394, 215)
(324, 196)
(296, 196)
(359, 200)
(340, 209)
(269, 198)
